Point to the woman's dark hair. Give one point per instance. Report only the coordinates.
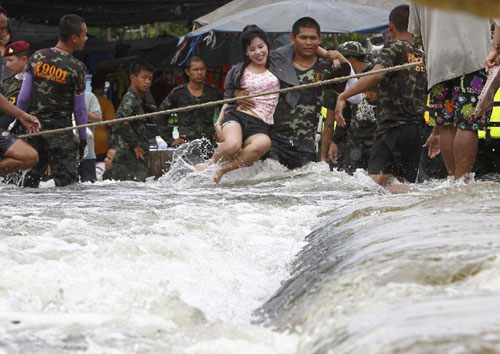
(249, 33)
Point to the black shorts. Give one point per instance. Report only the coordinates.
(292, 154)
(397, 152)
(6, 141)
(250, 125)
(354, 157)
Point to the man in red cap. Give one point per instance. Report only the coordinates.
(16, 56)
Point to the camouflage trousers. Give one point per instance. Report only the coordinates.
(59, 151)
(126, 167)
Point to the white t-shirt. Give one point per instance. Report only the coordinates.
(455, 43)
(94, 107)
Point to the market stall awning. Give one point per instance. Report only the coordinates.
(334, 16)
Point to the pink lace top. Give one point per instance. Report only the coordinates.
(257, 83)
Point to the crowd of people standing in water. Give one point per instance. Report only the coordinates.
(380, 125)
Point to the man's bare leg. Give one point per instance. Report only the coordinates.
(447, 135)
(20, 156)
(465, 150)
(255, 147)
(383, 181)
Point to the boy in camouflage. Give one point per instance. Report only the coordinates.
(16, 55)
(401, 107)
(54, 89)
(130, 162)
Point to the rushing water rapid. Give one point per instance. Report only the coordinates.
(269, 261)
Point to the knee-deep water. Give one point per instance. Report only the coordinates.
(268, 261)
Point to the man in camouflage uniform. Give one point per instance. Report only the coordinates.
(401, 106)
(54, 89)
(194, 124)
(354, 141)
(16, 55)
(294, 131)
(130, 162)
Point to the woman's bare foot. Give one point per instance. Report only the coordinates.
(203, 166)
(218, 175)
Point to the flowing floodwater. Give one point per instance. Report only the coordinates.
(269, 261)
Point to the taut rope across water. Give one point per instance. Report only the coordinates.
(228, 100)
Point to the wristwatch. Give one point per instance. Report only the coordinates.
(496, 46)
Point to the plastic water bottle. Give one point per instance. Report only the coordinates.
(175, 132)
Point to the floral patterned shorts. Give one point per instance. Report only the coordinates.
(454, 101)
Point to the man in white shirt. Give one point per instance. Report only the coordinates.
(87, 166)
(456, 45)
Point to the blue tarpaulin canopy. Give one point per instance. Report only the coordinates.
(334, 16)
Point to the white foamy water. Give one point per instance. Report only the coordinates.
(162, 266)
(180, 265)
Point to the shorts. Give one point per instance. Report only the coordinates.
(454, 101)
(250, 125)
(292, 154)
(354, 156)
(6, 141)
(397, 152)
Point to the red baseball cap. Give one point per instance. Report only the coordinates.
(16, 48)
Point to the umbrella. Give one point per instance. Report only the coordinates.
(240, 5)
(334, 16)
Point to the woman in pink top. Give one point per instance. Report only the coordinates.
(244, 134)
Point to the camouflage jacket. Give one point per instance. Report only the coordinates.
(299, 123)
(57, 77)
(402, 94)
(132, 134)
(194, 124)
(10, 89)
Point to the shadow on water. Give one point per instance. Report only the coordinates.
(397, 274)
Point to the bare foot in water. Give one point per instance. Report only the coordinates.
(218, 175)
(203, 166)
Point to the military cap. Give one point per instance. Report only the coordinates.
(352, 49)
(16, 48)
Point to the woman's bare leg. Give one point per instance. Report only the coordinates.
(20, 156)
(255, 147)
(232, 137)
